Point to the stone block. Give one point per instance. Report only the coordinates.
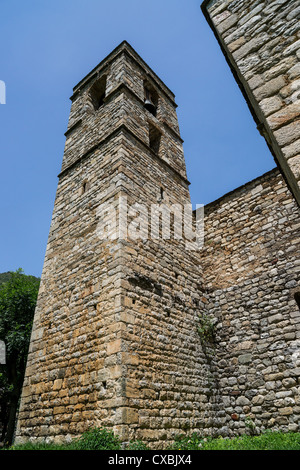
(270, 105)
(270, 88)
(130, 415)
(294, 164)
(287, 114)
(245, 358)
(287, 134)
(286, 411)
(227, 23)
(250, 47)
(114, 347)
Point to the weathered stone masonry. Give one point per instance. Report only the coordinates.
(251, 268)
(115, 340)
(261, 42)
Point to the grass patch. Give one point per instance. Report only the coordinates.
(266, 441)
(103, 439)
(92, 439)
(40, 446)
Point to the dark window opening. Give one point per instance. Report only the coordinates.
(150, 99)
(84, 187)
(133, 301)
(297, 298)
(104, 385)
(161, 195)
(154, 138)
(97, 92)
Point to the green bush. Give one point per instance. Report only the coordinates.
(137, 445)
(103, 439)
(206, 329)
(266, 441)
(39, 446)
(97, 439)
(187, 442)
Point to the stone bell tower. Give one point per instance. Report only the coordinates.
(114, 340)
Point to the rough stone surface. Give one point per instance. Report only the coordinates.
(117, 339)
(251, 271)
(261, 41)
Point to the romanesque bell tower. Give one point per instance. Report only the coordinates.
(114, 340)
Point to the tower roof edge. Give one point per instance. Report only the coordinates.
(123, 46)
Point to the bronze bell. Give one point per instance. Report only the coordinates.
(149, 105)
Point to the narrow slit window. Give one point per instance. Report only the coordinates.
(84, 187)
(297, 299)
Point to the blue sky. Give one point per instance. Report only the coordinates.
(47, 47)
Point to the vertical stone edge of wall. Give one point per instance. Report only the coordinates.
(257, 114)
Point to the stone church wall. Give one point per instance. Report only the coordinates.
(251, 268)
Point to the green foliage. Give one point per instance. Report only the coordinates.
(183, 442)
(4, 277)
(97, 439)
(266, 441)
(206, 329)
(93, 439)
(18, 297)
(17, 304)
(250, 425)
(40, 446)
(102, 439)
(137, 445)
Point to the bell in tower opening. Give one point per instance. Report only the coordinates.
(150, 102)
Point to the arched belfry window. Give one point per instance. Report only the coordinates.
(97, 92)
(150, 99)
